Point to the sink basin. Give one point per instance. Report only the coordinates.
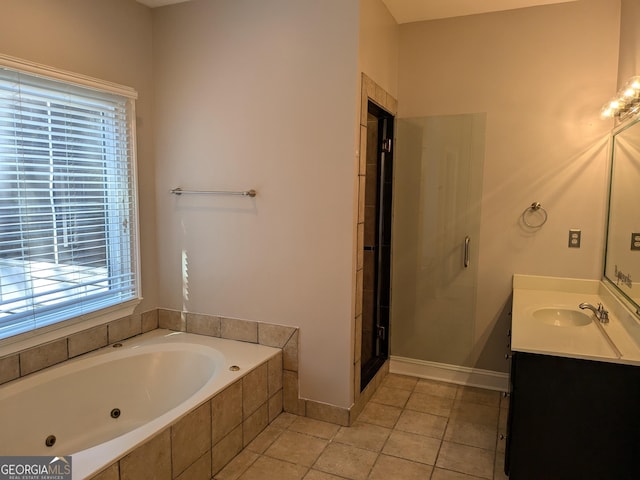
(562, 317)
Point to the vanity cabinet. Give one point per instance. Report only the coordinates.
(572, 419)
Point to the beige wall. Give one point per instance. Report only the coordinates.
(378, 40)
(379, 36)
(110, 40)
(261, 95)
(265, 98)
(541, 74)
(629, 61)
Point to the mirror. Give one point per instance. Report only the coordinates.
(622, 257)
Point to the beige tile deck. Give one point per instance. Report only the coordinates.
(411, 429)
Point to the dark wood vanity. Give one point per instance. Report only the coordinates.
(572, 419)
(575, 384)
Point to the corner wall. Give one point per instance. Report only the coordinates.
(106, 39)
(629, 59)
(379, 37)
(378, 79)
(261, 95)
(541, 74)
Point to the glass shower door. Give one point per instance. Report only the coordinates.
(436, 223)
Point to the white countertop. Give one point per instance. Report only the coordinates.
(618, 341)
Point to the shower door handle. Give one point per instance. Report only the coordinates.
(467, 241)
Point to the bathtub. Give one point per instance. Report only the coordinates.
(100, 406)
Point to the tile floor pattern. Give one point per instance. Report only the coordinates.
(411, 429)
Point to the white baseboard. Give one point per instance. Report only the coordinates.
(474, 377)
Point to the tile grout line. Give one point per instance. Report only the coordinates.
(457, 399)
(391, 429)
(329, 441)
(435, 461)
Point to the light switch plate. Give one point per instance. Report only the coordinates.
(575, 236)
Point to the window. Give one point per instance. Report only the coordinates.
(67, 199)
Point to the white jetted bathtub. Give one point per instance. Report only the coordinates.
(100, 406)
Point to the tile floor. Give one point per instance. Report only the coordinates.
(411, 429)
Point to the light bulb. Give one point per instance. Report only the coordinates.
(607, 112)
(627, 102)
(632, 87)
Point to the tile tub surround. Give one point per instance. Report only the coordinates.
(249, 404)
(203, 441)
(48, 354)
(410, 429)
(284, 373)
(52, 353)
(279, 336)
(268, 334)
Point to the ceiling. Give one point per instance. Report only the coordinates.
(159, 3)
(405, 11)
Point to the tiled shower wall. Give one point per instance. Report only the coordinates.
(374, 92)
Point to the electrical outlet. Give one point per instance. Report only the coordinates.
(635, 241)
(575, 236)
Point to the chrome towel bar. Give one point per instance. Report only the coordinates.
(180, 191)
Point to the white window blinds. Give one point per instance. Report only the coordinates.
(67, 201)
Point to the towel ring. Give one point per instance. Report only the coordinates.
(534, 207)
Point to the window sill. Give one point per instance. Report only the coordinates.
(72, 326)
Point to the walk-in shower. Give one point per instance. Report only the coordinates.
(437, 189)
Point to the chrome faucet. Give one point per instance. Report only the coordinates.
(601, 313)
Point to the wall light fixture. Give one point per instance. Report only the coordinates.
(625, 103)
